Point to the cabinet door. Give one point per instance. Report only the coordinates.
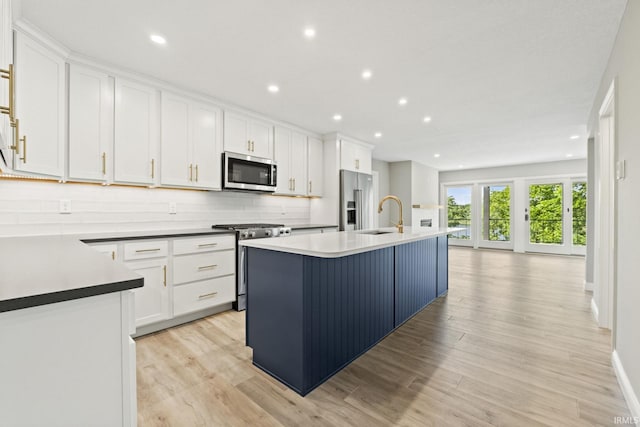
(348, 156)
(136, 133)
(261, 136)
(6, 58)
(152, 300)
(236, 134)
(298, 163)
(315, 167)
(282, 156)
(90, 123)
(363, 159)
(207, 146)
(177, 168)
(40, 101)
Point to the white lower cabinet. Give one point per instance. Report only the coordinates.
(152, 300)
(182, 276)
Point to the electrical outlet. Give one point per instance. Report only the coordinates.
(173, 208)
(65, 206)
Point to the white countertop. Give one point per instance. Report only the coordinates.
(334, 245)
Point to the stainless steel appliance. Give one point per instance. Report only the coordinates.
(248, 173)
(356, 201)
(243, 232)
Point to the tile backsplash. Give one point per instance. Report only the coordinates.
(33, 208)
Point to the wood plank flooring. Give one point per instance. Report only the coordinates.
(512, 344)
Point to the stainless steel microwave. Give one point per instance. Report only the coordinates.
(248, 173)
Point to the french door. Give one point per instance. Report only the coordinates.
(555, 216)
(496, 213)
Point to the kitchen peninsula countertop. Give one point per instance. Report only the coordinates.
(334, 245)
(39, 270)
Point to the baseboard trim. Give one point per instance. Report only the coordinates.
(629, 394)
(588, 286)
(594, 310)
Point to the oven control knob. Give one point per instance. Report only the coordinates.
(267, 233)
(244, 234)
(252, 234)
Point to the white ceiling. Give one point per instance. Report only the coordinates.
(506, 81)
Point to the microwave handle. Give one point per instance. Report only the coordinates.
(274, 175)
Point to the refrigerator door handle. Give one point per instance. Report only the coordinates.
(358, 199)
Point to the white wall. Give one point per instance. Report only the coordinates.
(32, 208)
(574, 167)
(624, 67)
(414, 183)
(382, 168)
(400, 186)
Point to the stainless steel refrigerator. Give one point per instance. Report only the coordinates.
(356, 201)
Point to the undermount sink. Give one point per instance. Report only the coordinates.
(374, 232)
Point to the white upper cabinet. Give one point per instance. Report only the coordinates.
(40, 108)
(6, 58)
(246, 135)
(91, 95)
(191, 143)
(315, 167)
(291, 158)
(355, 157)
(136, 133)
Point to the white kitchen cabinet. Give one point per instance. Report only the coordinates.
(291, 157)
(136, 138)
(40, 108)
(110, 250)
(247, 135)
(203, 294)
(91, 95)
(152, 300)
(191, 143)
(315, 167)
(6, 58)
(355, 157)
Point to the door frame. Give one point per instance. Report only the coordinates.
(477, 216)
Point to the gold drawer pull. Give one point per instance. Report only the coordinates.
(164, 275)
(10, 109)
(139, 251)
(207, 245)
(211, 295)
(207, 267)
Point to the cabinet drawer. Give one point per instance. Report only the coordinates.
(205, 294)
(144, 250)
(110, 250)
(203, 244)
(189, 268)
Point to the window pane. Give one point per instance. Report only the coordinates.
(580, 213)
(496, 213)
(545, 213)
(459, 211)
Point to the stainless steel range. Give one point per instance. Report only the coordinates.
(243, 232)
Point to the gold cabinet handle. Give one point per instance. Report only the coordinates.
(253, 146)
(16, 136)
(357, 163)
(196, 173)
(140, 251)
(294, 184)
(208, 267)
(207, 245)
(113, 255)
(211, 295)
(190, 172)
(104, 163)
(153, 168)
(10, 109)
(164, 275)
(248, 145)
(310, 187)
(24, 148)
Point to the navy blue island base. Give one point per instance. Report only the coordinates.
(309, 317)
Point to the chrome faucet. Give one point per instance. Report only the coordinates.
(384, 199)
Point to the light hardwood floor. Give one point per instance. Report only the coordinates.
(512, 344)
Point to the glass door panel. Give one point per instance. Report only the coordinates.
(545, 214)
(579, 219)
(459, 213)
(495, 215)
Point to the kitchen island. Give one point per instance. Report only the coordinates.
(317, 302)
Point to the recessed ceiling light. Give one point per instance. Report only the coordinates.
(378, 134)
(366, 74)
(574, 137)
(337, 117)
(156, 38)
(569, 155)
(427, 119)
(309, 32)
(436, 155)
(273, 88)
(402, 101)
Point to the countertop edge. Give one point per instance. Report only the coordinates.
(152, 235)
(312, 226)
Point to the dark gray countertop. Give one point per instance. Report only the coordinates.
(152, 234)
(311, 226)
(43, 270)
